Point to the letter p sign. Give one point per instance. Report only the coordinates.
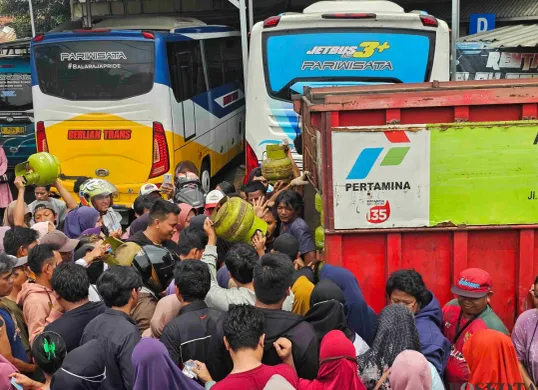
(481, 22)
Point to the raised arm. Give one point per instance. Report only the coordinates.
(18, 215)
(66, 196)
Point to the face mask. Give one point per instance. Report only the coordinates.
(270, 188)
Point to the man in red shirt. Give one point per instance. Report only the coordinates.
(244, 338)
(466, 315)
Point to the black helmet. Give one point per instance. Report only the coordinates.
(156, 266)
(188, 190)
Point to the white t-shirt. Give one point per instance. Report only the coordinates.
(360, 345)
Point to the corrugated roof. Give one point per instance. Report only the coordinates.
(509, 36)
(503, 9)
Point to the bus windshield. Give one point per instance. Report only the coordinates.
(15, 92)
(344, 56)
(95, 70)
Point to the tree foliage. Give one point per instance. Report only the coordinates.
(47, 15)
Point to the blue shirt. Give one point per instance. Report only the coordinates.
(299, 229)
(17, 347)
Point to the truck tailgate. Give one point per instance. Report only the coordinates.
(435, 176)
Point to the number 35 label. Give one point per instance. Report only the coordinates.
(369, 49)
(379, 214)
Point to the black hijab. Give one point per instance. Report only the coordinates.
(396, 331)
(83, 368)
(327, 310)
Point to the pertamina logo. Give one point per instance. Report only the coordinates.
(369, 157)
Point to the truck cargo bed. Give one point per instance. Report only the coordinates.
(433, 144)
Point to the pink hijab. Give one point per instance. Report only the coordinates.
(410, 371)
(9, 214)
(42, 228)
(6, 369)
(184, 210)
(5, 192)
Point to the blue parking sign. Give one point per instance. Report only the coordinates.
(481, 22)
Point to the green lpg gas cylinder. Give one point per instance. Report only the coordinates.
(41, 169)
(319, 238)
(236, 221)
(277, 165)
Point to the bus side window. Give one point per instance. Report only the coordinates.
(215, 65)
(186, 71)
(232, 60)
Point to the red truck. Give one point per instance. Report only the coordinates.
(438, 177)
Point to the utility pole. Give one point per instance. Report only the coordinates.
(88, 14)
(455, 36)
(32, 17)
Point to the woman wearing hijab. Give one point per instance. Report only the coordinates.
(327, 313)
(278, 382)
(79, 220)
(154, 370)
(186, 212)
(396, 331)
(83, 369)
(43, 228)
(359, 316)
(6, 371)
(411, 371)
(491, 357)
(5, 191)
(338, 365)
(9, 215)
(525, 339)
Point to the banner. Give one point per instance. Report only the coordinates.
(478, 62)
(468, 174)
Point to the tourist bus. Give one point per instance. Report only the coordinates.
(131, 98)
(334, 43)
(17, 135)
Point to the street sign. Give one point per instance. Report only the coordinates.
(481, 22)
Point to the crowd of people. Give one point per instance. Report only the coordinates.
(167, 304)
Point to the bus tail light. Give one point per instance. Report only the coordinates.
(38, 38)
(161, 161)
(271, 22)
(251, 161)
(41, 137)
(348, 15)
(148, 34)
(429, 21)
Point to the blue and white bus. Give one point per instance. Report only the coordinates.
(334, 43)
(17, 135)
(133, 97)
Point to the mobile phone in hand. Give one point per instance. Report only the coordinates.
(167, 178)
(16, 385)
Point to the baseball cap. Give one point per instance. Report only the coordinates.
(473, 283)
(58, 238)
(42, 204)
(148, 189)
(213, 198)
(18, 262)
(287, 244)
